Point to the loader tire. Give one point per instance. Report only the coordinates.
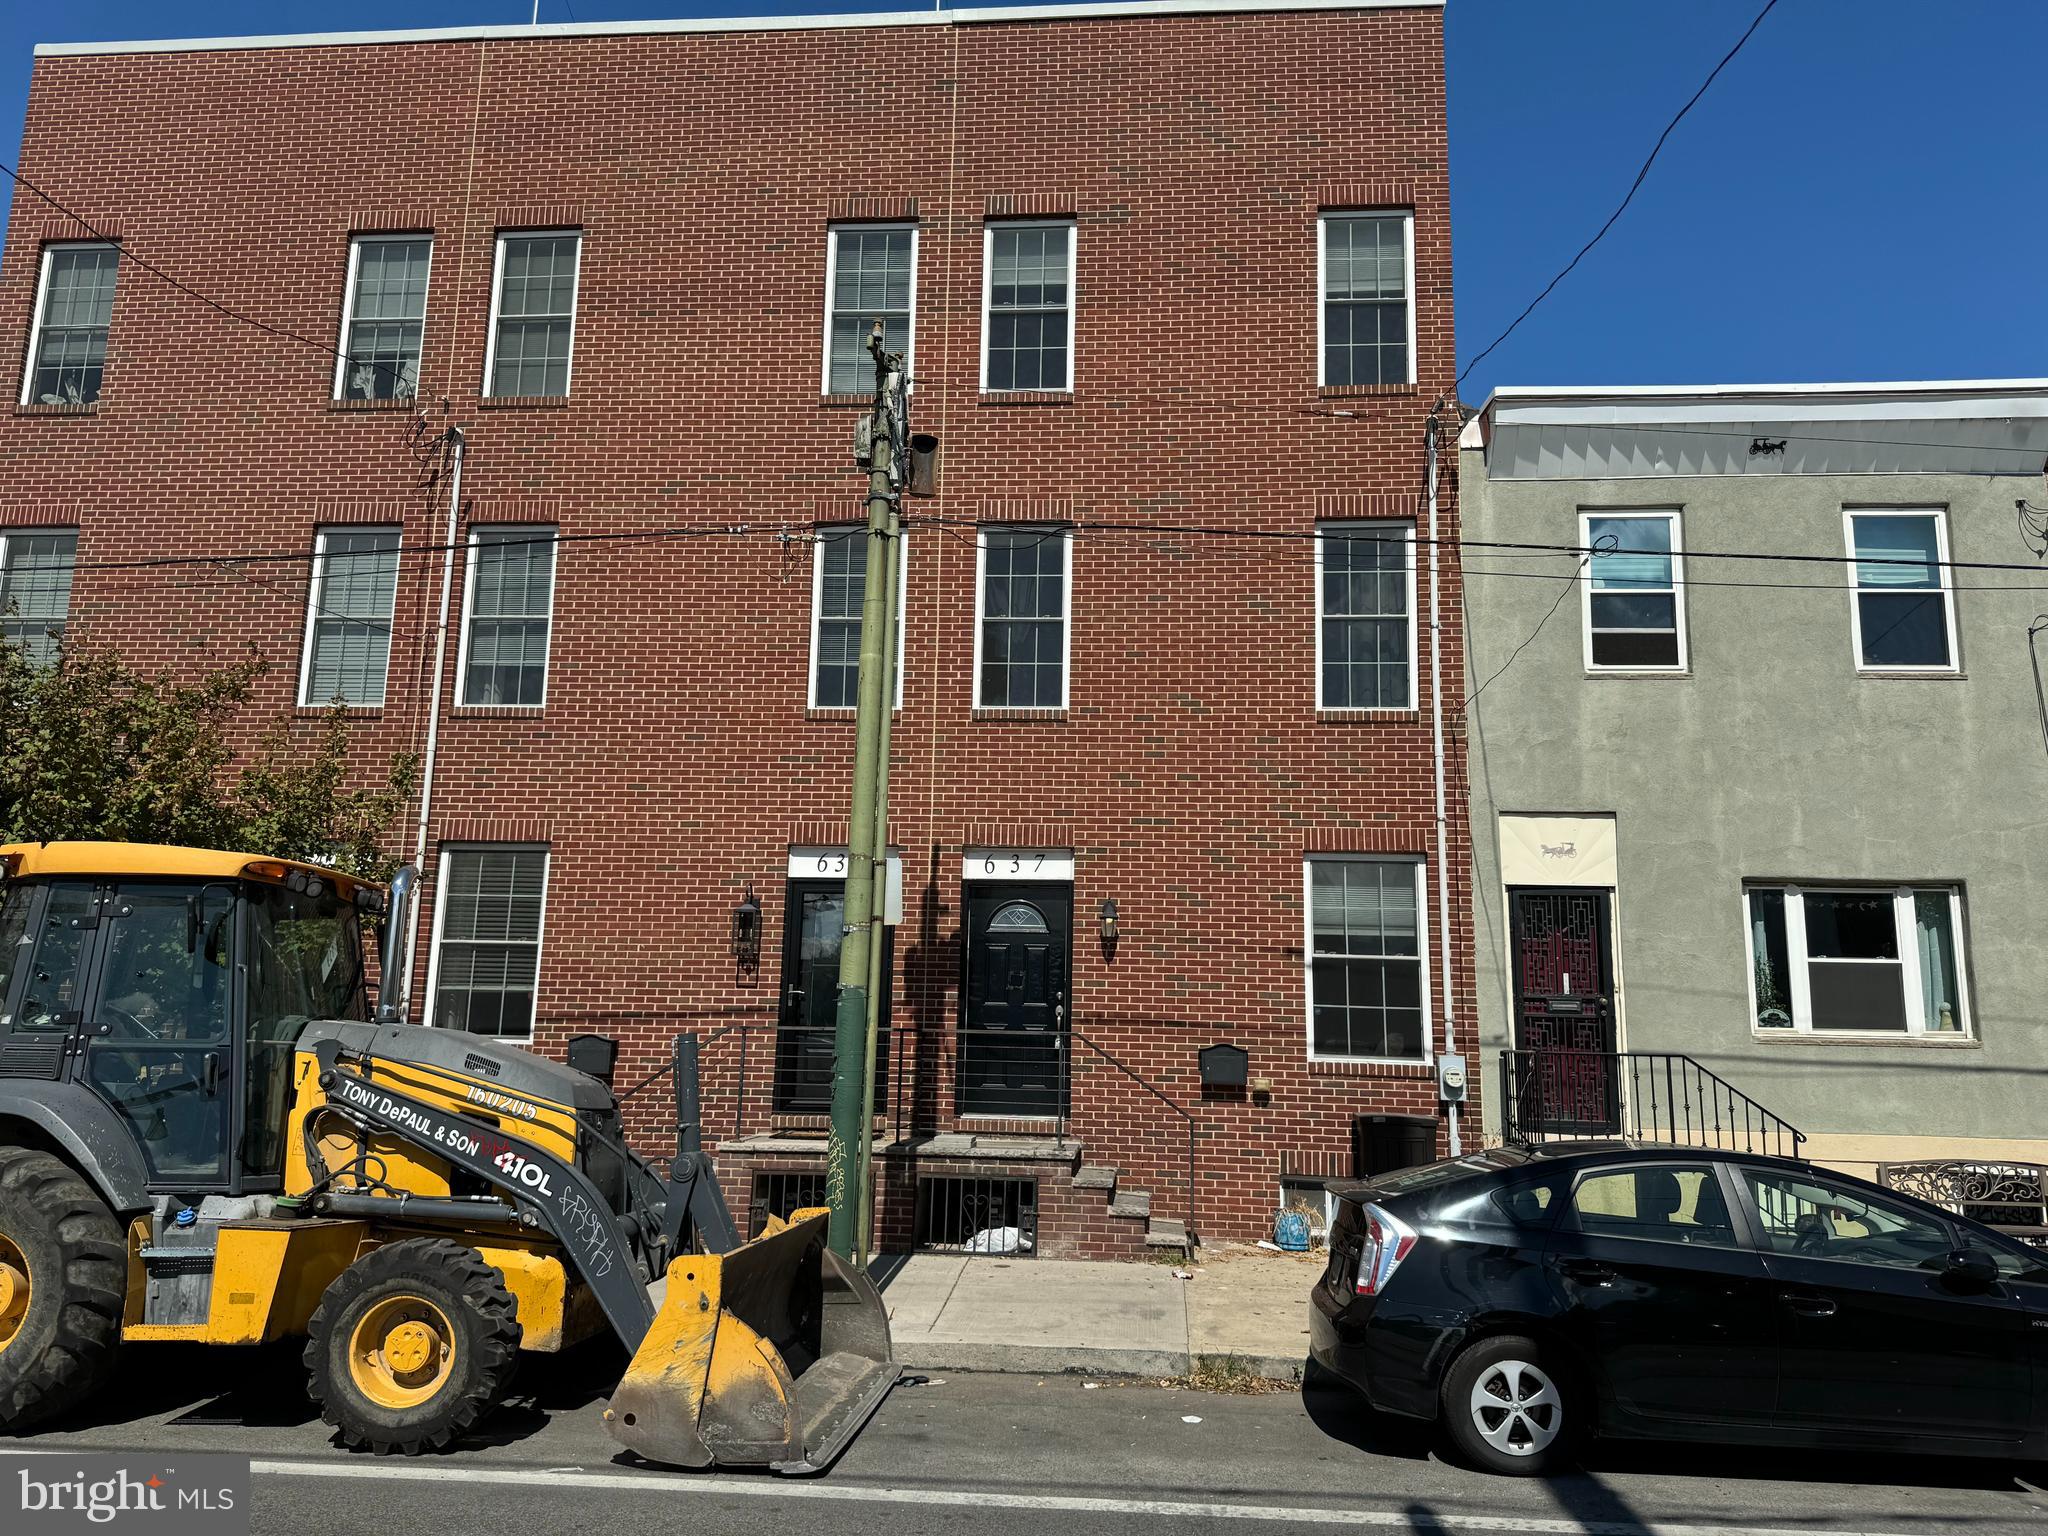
(412, 1346)
(62, 1274)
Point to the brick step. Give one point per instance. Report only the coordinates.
(1132, 1202)
(1095, 1178)
(1165, 1232)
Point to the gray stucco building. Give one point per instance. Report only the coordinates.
(1761, 780)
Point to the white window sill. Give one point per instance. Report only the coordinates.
(1412, 1063)
(1640, 672)
(1948, 1042)
(1915, 674)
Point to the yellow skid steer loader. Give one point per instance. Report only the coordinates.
(205, 1136)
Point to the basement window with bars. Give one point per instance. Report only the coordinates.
(348, 617)
(870, 275)
(487, 928)
(383, 319)
(67, 349)
(508, 614)
(978, 1216)
(35, 591)
(1856, 961)
(533, 313)
(783, 1193)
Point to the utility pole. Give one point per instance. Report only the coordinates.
(852, 1070)
(880, 979)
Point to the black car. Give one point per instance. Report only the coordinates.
(1529, 1296)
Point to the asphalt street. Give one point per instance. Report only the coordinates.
(1003, 1456)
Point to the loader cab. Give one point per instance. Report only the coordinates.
(172, 984)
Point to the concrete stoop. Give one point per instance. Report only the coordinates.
(1132, 1206)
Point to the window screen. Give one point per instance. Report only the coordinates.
(1366, 575)
(1030, 306)
(387, 312)
(348, 652)
(511, 606)
(536, 314)
(70, 352)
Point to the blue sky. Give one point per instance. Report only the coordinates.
(1863, 194)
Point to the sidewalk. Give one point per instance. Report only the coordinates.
(947, 1312)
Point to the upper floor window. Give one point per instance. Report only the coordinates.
(487, 922)
(1857, 961)
(1365, 616)
(1020, 632)
(870, 275)
(1367, 996)
(533, 313)
(839, 571)
(348, 616)
(1903, 615)
(1028, 306)
(383, 316)
(35, 591)
(508, 609)
(1635, 613)
(1367, 309)
(67, 348)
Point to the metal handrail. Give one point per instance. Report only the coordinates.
(1637, 1095)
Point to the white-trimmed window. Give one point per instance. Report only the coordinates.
(1856, 960)
(348, 616)
(35, 589)
(1365, 616)
(488, 914)
(67, 346)
(870, 275)
(383, 317)
(1902, 612)
(1368, 958)
(1635, 591)
(839, 573)
(508, 605)
(533, 312)
(1365, 298)
(1022, 584)
(1027, 305)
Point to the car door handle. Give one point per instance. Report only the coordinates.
(1806, 1305)
(1588, 1271)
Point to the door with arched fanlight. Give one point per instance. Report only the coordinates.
(1013, 1027)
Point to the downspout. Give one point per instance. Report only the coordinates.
(1436, 726)
(419, 848)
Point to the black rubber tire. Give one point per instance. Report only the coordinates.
(1475, 1363)
(468, 1292)
(64, 1350)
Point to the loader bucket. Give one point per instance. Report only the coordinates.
(774, 1354)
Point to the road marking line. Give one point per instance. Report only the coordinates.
(669, 1483)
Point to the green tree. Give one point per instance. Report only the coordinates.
(91, 748)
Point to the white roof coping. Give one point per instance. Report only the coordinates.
(1873, 400)
(552, 31)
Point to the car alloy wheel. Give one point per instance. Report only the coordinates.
(1516, 1408)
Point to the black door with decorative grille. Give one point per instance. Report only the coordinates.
(1014, 1021)
(1566, 1079)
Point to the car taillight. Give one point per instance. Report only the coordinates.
(1387, 1242)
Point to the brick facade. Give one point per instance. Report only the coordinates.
(675, 760)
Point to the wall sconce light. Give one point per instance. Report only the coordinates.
(1109, 929)
(746, 931)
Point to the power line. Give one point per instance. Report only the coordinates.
(1601, 234)
(186, 288)
(1568, 582)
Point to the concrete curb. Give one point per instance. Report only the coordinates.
(1061, 1360)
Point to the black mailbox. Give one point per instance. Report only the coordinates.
(594, 1056)
(1223, 1066)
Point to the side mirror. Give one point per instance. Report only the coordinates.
(1971, 1266)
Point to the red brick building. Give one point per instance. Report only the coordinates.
(1176, 280)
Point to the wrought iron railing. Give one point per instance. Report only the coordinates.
(1651, 1096)
(2010, 1196)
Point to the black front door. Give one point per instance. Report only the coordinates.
(1875, 1337)
(1663, 1298)
(814, 924)
(1567, 1077)
(1013, 1023)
